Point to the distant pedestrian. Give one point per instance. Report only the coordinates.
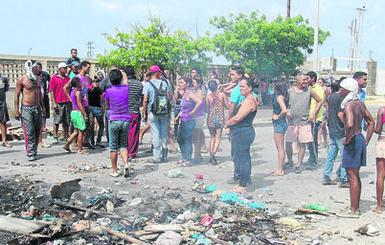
(380, 159)
(117, 99)
(95, 99)
(198, 136)
(337, 134)
(157, 114)
(74, 57)
(354, 155)
(78, 116)
(32, 107)
(61, 104)
(243, 133)
(4, 116)
(300, 119)
(280, 103)
(189, 106)
(134, 104)
(216, 102)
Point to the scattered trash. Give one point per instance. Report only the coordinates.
(317, 207)
(207, 220)
(368, 230)
(175, 173)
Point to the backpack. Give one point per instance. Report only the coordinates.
(161, 104)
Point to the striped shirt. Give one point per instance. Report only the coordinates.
(134, 99)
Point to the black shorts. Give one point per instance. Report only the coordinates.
(4, 116)
(46, 107)
(63, 113)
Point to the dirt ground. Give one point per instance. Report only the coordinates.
(280, 194)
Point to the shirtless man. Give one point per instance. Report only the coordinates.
(354, 155)
(32, 107)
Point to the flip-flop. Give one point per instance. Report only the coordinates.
(83, 152)
(67, 149)
(374, 209)
(275, 173)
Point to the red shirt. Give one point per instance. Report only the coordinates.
(56, 85)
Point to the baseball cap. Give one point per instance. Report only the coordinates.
(61, 65)
(155, 68)
(75, 63)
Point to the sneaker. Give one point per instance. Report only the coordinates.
(55, 140)
(343, 185)
(328, 182)
(298, 170)
(349, 214)
(233, 181)
(32, 158)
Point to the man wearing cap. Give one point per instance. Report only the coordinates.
(354, 154)
(74, 69)
(158, 123)
(74, 57)
(60, 103)
(32, 107)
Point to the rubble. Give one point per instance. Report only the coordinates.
(71, 214)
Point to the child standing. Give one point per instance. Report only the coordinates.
(78, 116)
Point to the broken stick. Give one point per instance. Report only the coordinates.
(123, 236)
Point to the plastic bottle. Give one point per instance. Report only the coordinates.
(175, 173)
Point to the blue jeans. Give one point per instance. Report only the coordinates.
(313, 146)
(98, 114)
(118, 130)
(336, 144)
(185, 138)
(158, 126)
(241, 140)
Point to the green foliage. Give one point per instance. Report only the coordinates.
(265, 48)
(156, 44)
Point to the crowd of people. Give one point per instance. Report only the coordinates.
(117, 103)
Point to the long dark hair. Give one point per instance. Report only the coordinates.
(280, 88)
(74, 82)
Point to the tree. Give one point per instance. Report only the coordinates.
(156, 44)
(265, 49)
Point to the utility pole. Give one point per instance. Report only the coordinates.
(105, 35)
(315, 60)
(288, 9)
(89, 52)
(361, 15)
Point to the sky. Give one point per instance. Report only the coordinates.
(52, 28)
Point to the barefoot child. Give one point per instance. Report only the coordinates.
(78, 116)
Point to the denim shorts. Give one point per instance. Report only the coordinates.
(118, 133)
(354, 153)
(280, 126)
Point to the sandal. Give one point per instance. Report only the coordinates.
(115, 175)
(83, 152)
(275, 173)
(6, 144)
(67, 149)
(183, 163)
